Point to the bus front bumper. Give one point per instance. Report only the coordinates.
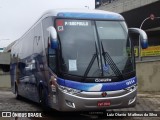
(92, 101)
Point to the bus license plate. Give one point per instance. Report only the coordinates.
(103, 103)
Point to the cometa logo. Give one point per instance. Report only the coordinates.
(103, 80)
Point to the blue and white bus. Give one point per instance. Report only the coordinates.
(77, 60)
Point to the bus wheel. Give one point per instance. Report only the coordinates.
(16, 92)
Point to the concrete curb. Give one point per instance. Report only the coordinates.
(154, 95)
(5, 89)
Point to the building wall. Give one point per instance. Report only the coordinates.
(5, 81)
(120, 6)
(148, 74)
(5, 58)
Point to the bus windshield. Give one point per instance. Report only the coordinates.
(93, 48)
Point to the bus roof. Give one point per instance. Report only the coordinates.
(77, 14)
(85, 14)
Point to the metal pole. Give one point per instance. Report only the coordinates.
(139, 49)
(139, 37)
(144, 21)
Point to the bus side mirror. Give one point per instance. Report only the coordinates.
(143, 36)
(53, 37)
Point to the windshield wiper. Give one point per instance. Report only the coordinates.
(91, 63)
(110, 61)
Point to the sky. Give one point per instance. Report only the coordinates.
(17, 16)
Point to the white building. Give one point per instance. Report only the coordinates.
(1, 49)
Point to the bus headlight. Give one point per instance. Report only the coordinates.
(69, 90)
(131, 88)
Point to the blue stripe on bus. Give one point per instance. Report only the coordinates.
(91, 16)
(98, 86)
